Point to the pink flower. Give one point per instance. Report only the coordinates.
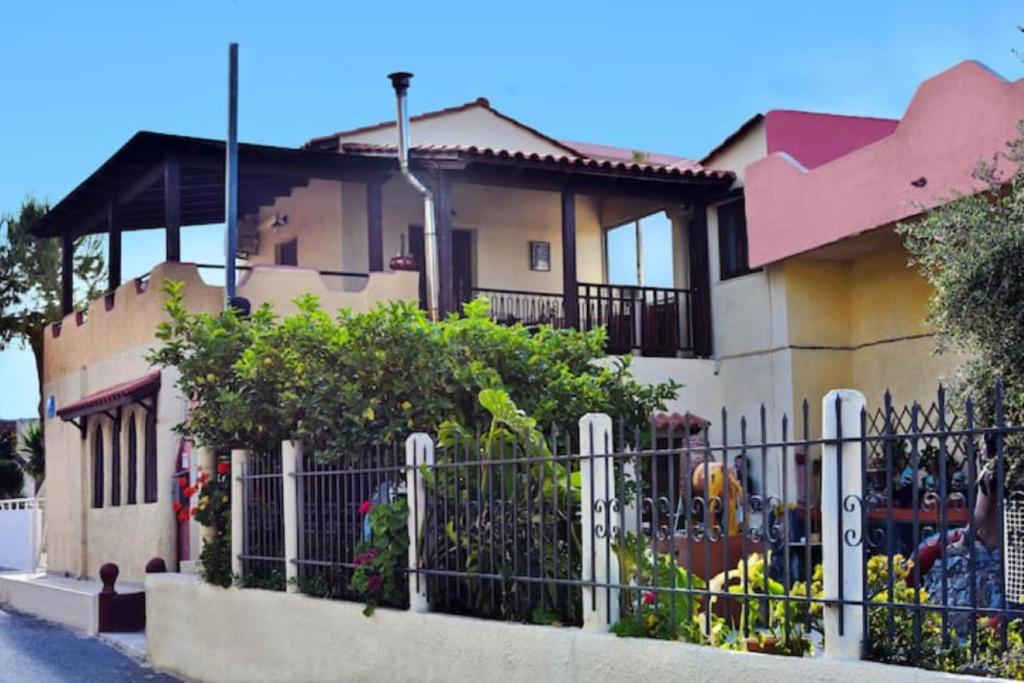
(360, 560)
(373, 585)
(364, 507)
(648, 598)
(373, 553)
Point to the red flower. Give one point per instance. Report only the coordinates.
(193, 512)
(223, 468)
(373, 585)
(360, 560)
(189, 491)
(176, 506)
(648, 598)
(203, 477)
(365, 507)
(183, 515)
(182, 482)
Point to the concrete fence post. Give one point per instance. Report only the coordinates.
(419, 451)
(599, 519)
(291, 454)
(239, 468)
(841, 518)
(205, 462)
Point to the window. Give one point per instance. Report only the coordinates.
(732, 241)
(288, 253)
(150, 463)
(115, 462)
(133, 458)
(97, 468)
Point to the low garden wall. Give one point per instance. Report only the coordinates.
(206, 633)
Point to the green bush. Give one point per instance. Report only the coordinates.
(347, 383)
(12, 479)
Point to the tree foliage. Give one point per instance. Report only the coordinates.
(345, 383)
(971, 249)
(30, 278)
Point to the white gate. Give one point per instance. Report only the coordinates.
(20, 533)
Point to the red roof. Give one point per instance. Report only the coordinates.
(623, 154)
(673, 171)
(112, 397)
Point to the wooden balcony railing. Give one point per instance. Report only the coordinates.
(650, 321)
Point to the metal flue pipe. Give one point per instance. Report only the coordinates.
(400, 82)
(231, 179)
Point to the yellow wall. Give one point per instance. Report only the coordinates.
(858, 320)
(332, 233)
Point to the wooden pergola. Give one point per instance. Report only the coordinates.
(166, 181)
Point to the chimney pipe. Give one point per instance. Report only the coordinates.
(400, 82)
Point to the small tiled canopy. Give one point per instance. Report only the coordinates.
(115, 396)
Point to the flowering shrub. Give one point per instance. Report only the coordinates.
(377, 579)
(212, 508)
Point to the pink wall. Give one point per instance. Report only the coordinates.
(814, 139)
(955, 119)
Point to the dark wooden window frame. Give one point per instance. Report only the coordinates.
(279, 252)
(97, 466)
(133, 459)
(728, 271)
(115, 460)
(150, 459)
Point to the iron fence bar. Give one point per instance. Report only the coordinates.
(916, 512)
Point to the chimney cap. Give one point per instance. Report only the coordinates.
(400, 81)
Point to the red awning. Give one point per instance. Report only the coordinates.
(112, 397)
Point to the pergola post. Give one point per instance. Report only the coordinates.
(446, 300)
(67, 273)
(700, 281)
(375, 225)
(113, 248)
(570, 285)
(172, 208)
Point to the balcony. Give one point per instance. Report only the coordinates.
(646, 321)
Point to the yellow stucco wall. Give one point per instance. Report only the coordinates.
(110, 347)
(857, 319)
(332, 234)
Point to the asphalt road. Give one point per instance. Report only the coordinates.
(35, 651)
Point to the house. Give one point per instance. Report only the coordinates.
(788, 278)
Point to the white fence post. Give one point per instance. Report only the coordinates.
(239, 468)
(841, 517)
(599, 519)
(291, 453)
(419, 450)
(204, 462)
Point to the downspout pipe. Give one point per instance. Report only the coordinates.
(400, 82)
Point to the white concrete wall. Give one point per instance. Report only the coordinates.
(205, 633)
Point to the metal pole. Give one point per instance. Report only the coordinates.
(638, 231)
(231, 178)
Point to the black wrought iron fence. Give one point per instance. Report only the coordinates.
(263, 557)
(332, 497)
(765, 535)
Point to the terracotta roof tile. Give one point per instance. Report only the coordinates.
(119, 394)
(671, 171)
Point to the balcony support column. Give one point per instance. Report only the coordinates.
(374, 225)
(113, 248)
(700, 281)
(446, 297)
(570, 285)
(172, 209)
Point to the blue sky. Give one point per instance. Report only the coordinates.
(79, 78)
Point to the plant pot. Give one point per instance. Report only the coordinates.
(407, 262)
(768, 647)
